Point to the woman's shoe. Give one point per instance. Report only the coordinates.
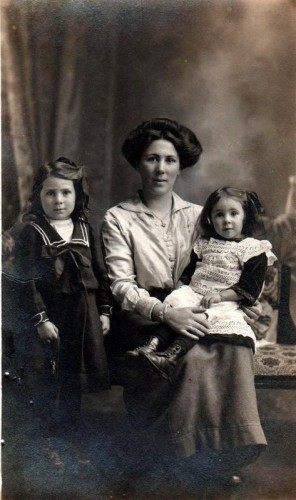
(164, 362)
(151, 346)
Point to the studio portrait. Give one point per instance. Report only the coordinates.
(148, 249)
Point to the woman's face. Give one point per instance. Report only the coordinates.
(159, 168)
(58, 198)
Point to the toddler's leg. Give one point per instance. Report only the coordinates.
(166, 361)
(185, 343)
(160, 337)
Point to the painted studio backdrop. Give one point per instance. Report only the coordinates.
(77, 76)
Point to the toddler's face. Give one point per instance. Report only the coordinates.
(58, 198)
(228, 218)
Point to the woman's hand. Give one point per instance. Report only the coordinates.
(252, 313)
(189, 321)
(47, 331)
(105, 322)
(210, 298)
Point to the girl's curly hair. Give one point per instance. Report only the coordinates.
(62, 168)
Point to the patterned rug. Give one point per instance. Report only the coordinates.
(276, 360)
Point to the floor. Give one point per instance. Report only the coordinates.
(104, 460)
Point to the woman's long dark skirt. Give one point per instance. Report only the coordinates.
(212, 401)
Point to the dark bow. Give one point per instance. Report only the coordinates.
(253, 197)
(59, 254)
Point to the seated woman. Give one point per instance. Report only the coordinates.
(147, 243)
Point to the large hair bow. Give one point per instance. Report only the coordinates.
(253, 197)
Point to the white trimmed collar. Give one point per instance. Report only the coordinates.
(135, 204)
(51, 237)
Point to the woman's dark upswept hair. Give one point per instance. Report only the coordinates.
(185, 141)
(253, 224)
(62, 168)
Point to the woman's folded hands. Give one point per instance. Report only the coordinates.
(189, 321)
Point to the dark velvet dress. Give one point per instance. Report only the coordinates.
(66, 282)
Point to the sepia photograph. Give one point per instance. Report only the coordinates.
(148, 249)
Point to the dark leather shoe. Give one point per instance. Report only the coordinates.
(151, 346)
(164, 362)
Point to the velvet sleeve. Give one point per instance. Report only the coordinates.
(104, 294)
(252, 278)
(27, 273)
(189, 269)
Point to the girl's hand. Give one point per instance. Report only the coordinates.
(210, 298)
(252, 313)
(47, 331)
(189, 321)
(105, 322)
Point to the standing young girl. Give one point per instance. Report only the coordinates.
(56, 255)
(230, 266)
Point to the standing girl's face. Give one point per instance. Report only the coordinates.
(228, 217)
(58, 198)
(159, 167)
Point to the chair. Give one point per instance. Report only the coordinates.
(275, 363)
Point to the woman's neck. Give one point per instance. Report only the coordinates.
(160, 205)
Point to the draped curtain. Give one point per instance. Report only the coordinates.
(78, 74)
(57, 92)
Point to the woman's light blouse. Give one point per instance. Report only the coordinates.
(138, 252)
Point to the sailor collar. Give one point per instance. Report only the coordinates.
(52, 238)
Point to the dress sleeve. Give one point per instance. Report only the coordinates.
(26, 272)
(118, 254)
(253, 248)
(196, 256)
(252, 278)
(104, 295)
(189, 270)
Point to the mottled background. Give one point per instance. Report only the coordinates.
(78, 75)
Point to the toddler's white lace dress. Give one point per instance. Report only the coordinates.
(220, 267)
